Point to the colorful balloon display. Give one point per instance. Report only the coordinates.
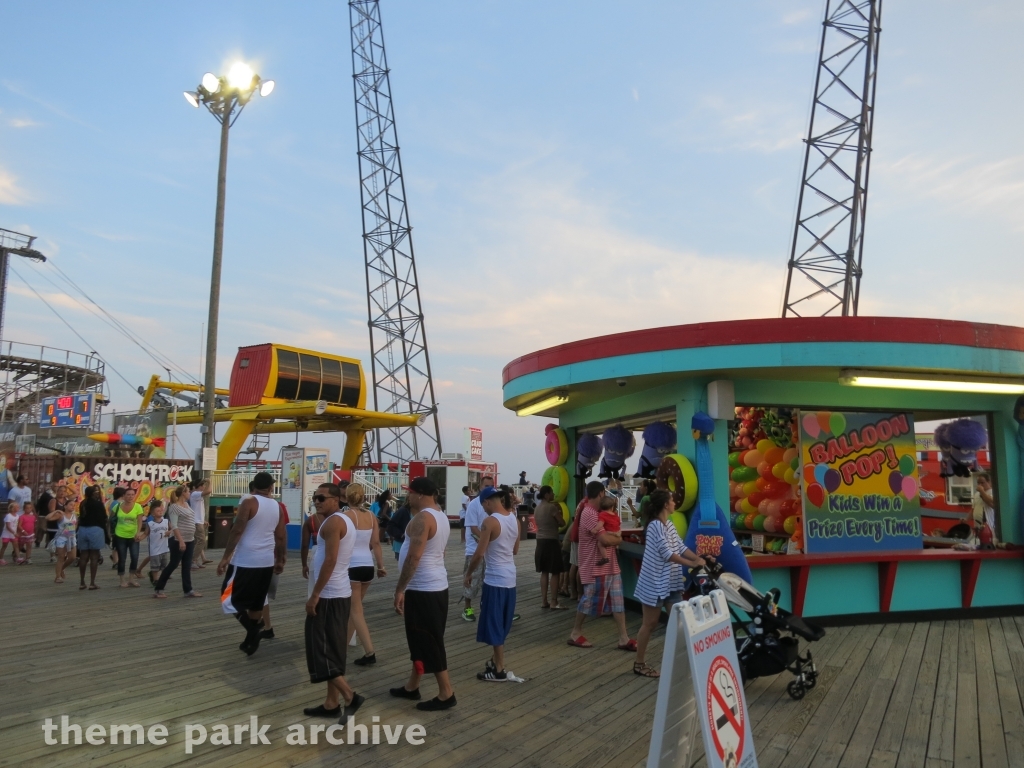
(764, 474)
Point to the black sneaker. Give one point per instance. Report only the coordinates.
(366, 660)
(491, 675)
(435, 704)
(401, 693)
(252, 634)
(351, 707)
(267, 634)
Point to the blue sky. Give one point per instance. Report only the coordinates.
(608, 168)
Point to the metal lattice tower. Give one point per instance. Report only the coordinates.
(399, 359)
(828, 239)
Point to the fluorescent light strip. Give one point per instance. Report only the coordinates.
(542, 405)
(909, 381)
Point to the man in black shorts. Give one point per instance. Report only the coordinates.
(327, 610)
(256, 550)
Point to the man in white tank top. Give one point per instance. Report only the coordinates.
(256, 550)
(328, 607)
(422, 596)
(498, 546)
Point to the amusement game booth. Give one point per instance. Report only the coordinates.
(845, 456)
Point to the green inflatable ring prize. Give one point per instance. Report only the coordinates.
(558, 479)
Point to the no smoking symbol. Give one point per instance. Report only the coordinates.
(725, 712)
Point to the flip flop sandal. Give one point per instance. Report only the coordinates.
(630, 646)
(82, 587)
(643, 670)
(559, 608)
(93, 587)
(545, 607)
(580, 642)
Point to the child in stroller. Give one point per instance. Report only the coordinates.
(766, 641)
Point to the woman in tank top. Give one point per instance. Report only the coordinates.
(366, 554)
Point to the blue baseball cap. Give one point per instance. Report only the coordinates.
(489, 493)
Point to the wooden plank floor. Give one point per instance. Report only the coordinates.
(941, 694)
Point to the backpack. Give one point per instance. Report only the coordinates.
(112, 519)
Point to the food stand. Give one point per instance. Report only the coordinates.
(816, 457)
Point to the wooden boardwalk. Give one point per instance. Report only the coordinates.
(941, 695)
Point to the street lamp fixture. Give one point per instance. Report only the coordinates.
(224, 97)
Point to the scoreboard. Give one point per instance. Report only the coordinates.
(68, 410)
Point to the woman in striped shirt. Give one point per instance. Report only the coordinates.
(661, 574)
(183, 531)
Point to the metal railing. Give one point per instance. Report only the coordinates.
(236, 483)
(31, 372)
(376, 483)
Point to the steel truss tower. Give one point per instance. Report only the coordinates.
(399, 361)
(828, 239)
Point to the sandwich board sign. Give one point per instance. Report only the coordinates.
(701, 682)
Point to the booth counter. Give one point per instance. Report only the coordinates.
(857, 520)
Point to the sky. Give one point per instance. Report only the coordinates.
(572, 169)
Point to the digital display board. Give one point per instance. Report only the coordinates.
(67, 410)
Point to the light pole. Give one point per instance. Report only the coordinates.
(225, 97)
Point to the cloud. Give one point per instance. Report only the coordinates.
(11, 193)
(570, 273)
(18, 90)
(740, 124)
(962, 184)
(22, 122)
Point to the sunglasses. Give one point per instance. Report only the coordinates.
(320, 498)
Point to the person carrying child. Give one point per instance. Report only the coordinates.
(608, 515)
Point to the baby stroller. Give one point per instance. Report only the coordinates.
(766, 641)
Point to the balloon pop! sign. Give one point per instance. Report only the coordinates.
(859, 482)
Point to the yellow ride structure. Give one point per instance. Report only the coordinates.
(266, 381)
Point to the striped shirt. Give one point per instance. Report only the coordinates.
(589, 569)
(183, 519)
(659, 577)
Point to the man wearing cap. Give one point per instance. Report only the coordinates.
(256, 550)
(499, 544)
(421, 596)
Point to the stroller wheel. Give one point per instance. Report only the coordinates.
(796, 690)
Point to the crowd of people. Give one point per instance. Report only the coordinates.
(75, 532)
(342, 547)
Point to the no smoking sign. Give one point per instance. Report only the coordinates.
(701, 688)
(725, 711)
